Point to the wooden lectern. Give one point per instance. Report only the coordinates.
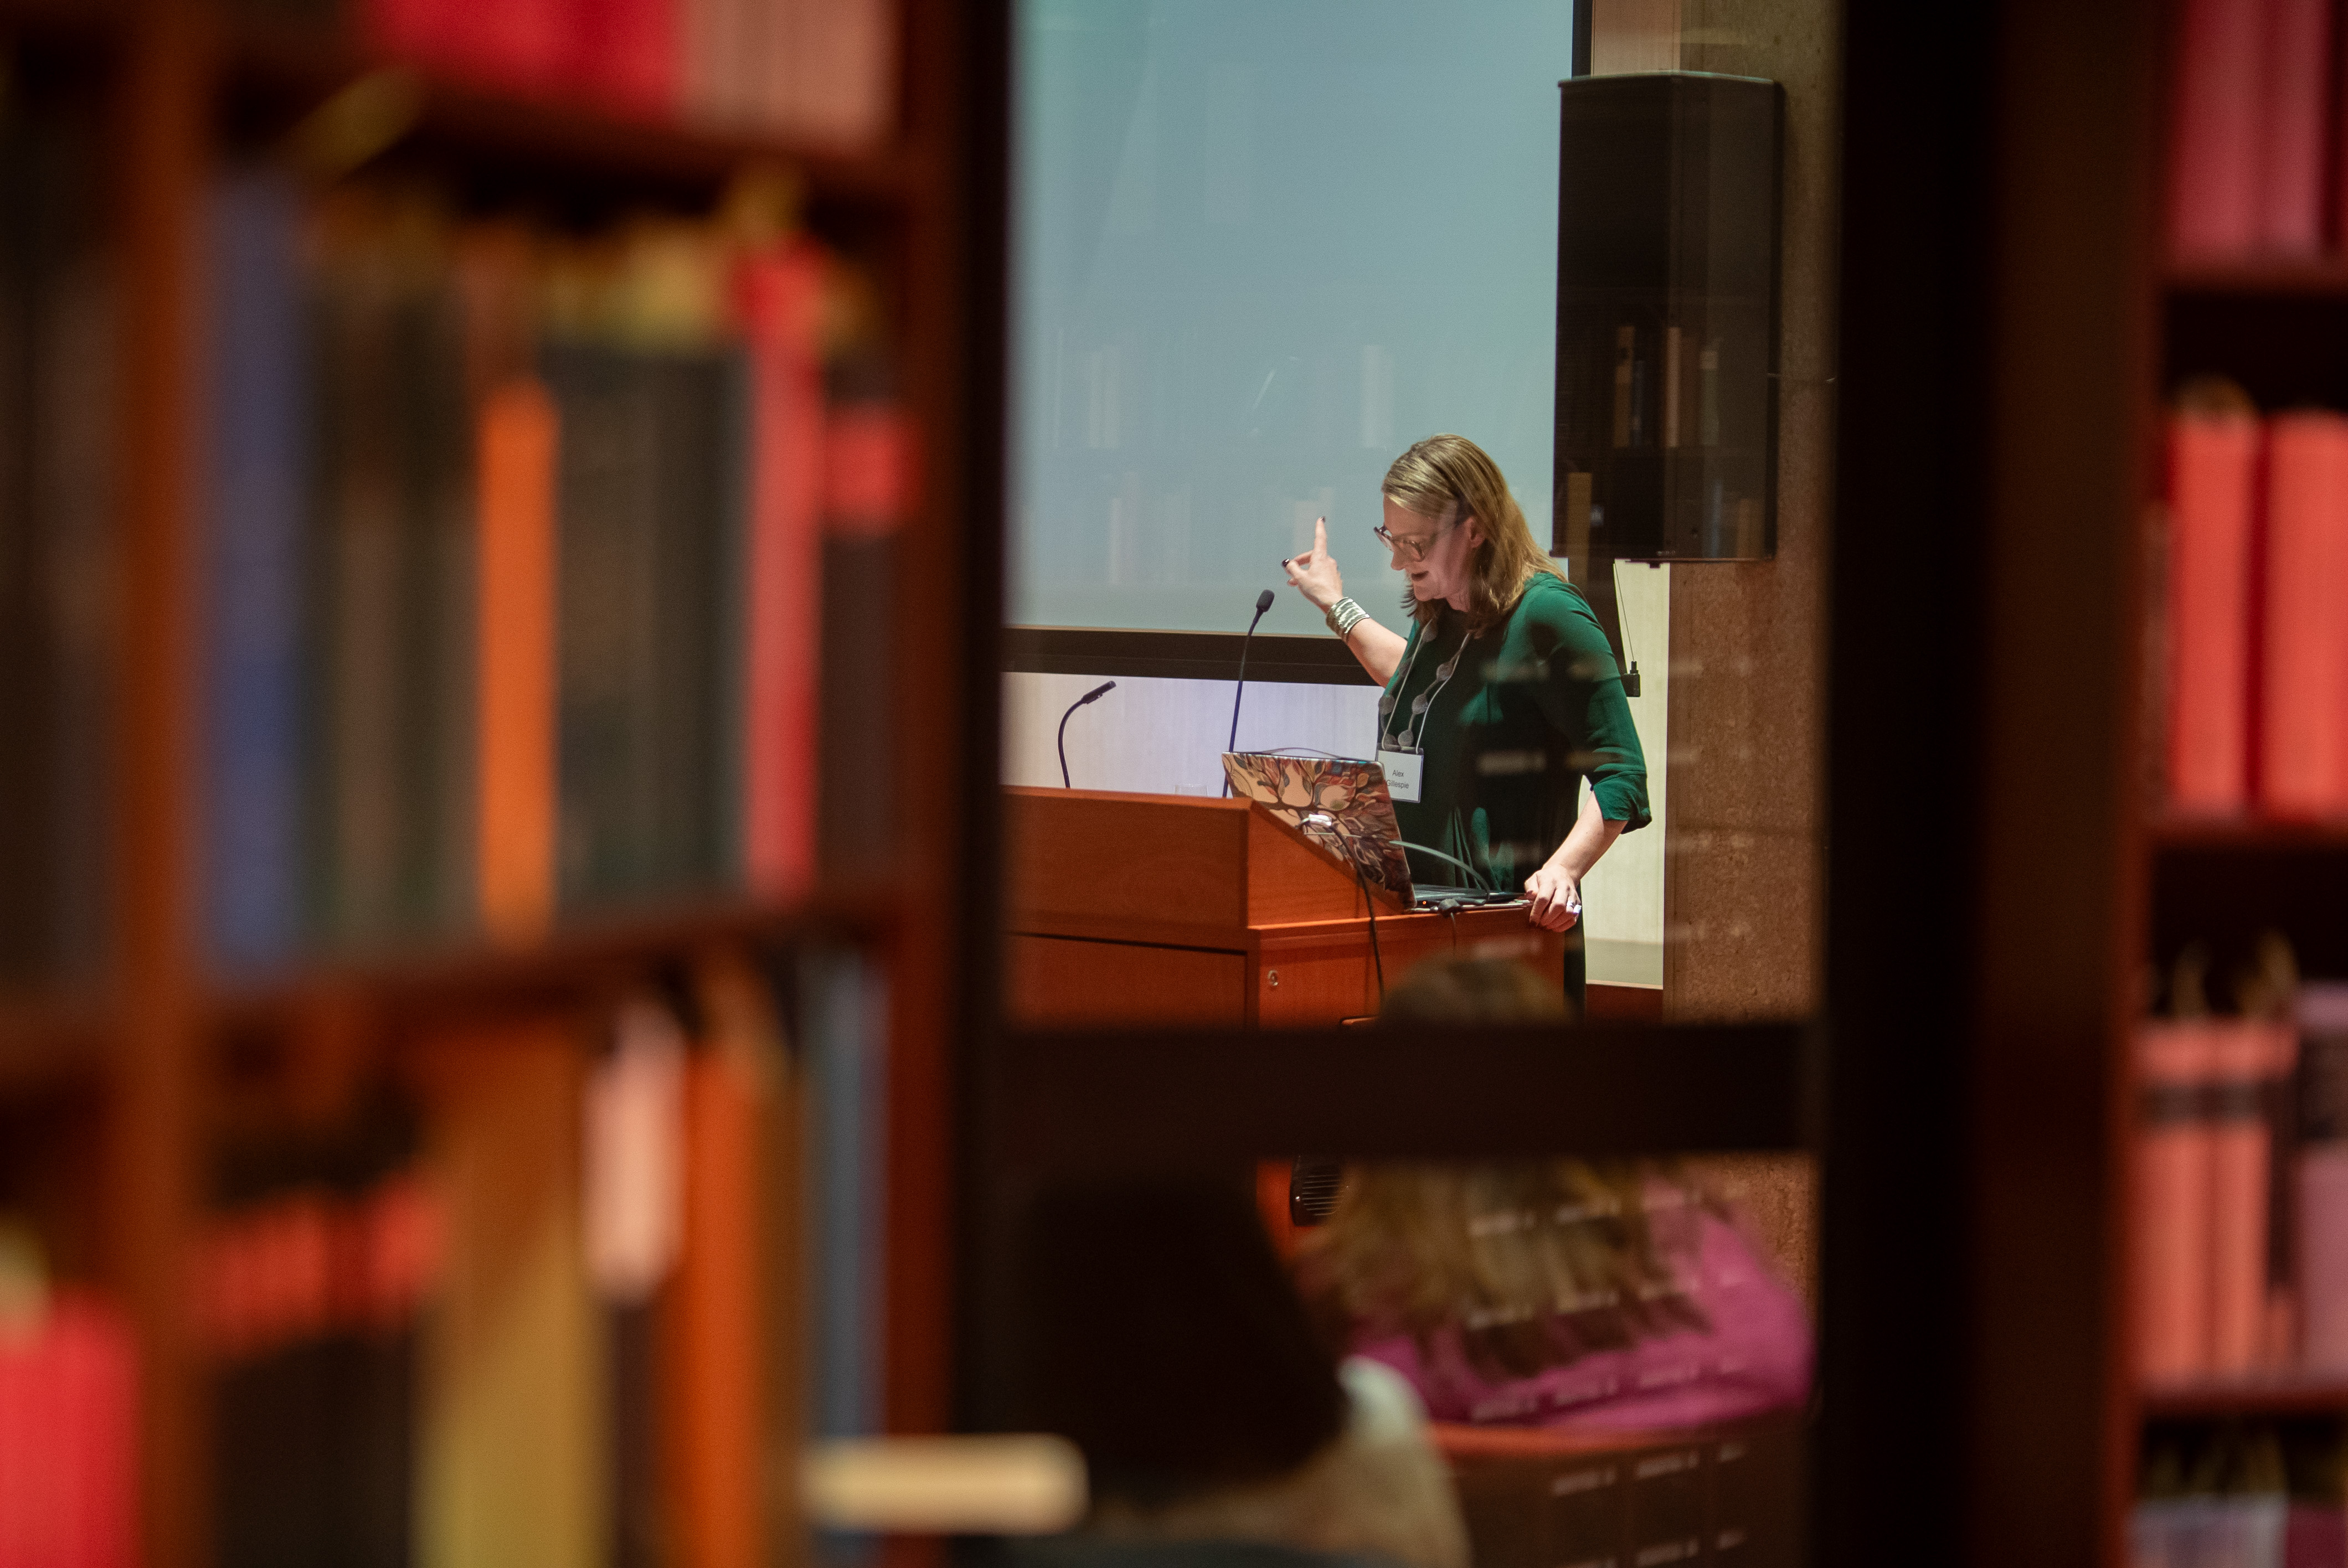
(1141, 909)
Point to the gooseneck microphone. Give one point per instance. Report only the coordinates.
(1262, 603)
(1095, 695)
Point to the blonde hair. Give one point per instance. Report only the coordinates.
(1447, 479)
(1537, 1263)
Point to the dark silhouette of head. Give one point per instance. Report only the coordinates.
(1164, 1338)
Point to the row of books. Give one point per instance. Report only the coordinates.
(2241, 1193)
(310, 1283)
(819, 72)
(539, 1302)
(2257, 656)
(2241, 1497)
(68, 1419)
(2255, 164)
(519, 553)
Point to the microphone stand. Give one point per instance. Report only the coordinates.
(1262, 603)
(1095, 695)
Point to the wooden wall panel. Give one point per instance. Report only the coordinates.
(1059, 981)
(1138, 856)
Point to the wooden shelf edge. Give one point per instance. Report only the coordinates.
(559, 128)
(1104, 1098)
(578, 957)
(2283, 1394)
(2318, 278)
(87, 21)
(47, 1044)
(555, 128)
(2246, 832)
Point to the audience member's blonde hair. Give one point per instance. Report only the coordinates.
(1535, 1262)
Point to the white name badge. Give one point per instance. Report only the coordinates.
(1402, 773)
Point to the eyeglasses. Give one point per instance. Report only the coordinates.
(1414, 547)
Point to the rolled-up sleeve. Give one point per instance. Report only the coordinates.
(1582, 698)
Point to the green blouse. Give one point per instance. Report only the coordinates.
(1534, 705)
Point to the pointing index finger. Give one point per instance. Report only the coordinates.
(1320, 536)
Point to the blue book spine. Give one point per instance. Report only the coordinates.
(846, 1041)
(843, 1034)
(252, 881)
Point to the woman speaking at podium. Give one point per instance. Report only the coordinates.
(1504, 697)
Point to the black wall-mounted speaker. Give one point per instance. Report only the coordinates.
(1667, 240)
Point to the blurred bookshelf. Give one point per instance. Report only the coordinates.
(2224, 1318)
(2246, 834)
(588, 957)
(2224, 1399)
(45, 1044)
(2323, 278)
(147, 1073)
(289, 71)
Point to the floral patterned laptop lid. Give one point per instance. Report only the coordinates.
(1337, 803)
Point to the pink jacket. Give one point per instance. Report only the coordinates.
(1755, 1357)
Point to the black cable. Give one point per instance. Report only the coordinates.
(1482, 884)
(1372, 905)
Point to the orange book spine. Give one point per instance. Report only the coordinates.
(2212, 493)
(1272, 1179)
(515, 643)
(2244, 1058)
(2279, 1095)
(2172, 1229)
(2304, 728)
(713, 1386)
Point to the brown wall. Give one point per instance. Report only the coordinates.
(1741, 879)
(1741, 918)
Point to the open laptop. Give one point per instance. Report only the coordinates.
(1341, 803)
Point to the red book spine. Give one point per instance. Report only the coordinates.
(870, 479)
(2324, 1256)
(526, 44)
(2304, 728)
(2213, 496)
(781, 298)
(629, 53)
(2172, 1196)
(2295, 102)
(2214, 165)
(68, 1395)
(416, 30)
(2315, 1535)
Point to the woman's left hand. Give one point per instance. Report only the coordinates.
(1556, 898)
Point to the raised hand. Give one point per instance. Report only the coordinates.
(1314, 574)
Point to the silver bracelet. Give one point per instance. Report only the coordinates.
(1344, 616)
